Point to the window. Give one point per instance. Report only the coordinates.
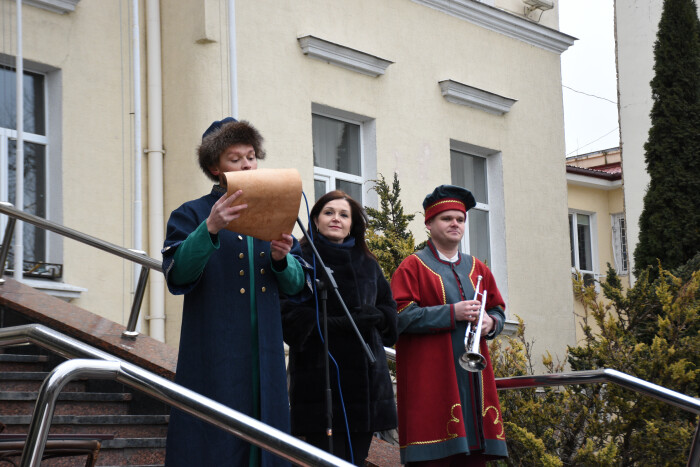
(619, 239)
(35, 157)
(480, 170)
(581, 237)
(470, 171)
(337, 156)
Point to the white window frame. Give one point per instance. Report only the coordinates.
(53, 109)
(495, 209)
(619, 243)
(466, 240)
(465, 245)
(7, 134)
(368, 154)
(330, 177)
(594, 272)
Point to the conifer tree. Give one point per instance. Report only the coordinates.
(670, 221)
(388, 236)
(596, 424)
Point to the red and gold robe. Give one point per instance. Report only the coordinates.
(443, 409)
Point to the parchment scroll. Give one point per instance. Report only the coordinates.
(273, 197)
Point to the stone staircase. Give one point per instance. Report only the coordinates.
(131, 428)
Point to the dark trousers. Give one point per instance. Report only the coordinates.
(458, 460)
(360, 445)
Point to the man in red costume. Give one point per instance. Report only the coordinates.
(447, 416)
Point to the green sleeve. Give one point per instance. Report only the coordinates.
(192, 255)
(291, 278)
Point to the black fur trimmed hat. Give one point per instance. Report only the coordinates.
(446, 198)
(224, 133)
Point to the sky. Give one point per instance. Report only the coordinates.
(589, 76)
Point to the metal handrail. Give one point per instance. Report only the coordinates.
(605, 375)
(96, 364)
(111, 367)
(140, 257)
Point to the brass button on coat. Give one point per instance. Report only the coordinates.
(264, 289)
(262, 254)
(242, 273)
(262, 271)
(241, 255)
(242, 290)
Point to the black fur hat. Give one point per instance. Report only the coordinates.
(445, 198)
(224, 133)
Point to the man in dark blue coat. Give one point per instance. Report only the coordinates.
(231, 346)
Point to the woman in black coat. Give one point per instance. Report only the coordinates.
(338, 225)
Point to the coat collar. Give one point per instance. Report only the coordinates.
(435, 253)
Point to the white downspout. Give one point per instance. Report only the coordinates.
(232, 57)
(19, 154)
(138, 155)
(154, 110)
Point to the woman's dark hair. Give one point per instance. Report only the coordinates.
(358, 217)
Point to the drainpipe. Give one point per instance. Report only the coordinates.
(138, 155)
(156, 324)
(19, 154)
(232, 57)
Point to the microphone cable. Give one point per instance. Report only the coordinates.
(320, 334)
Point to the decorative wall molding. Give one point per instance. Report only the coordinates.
(342, 56)
(463, 94)
(56, 6)
(503, 22)
(592, 182)
(65, 292)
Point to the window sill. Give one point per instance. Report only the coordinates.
(510, 328)
(60, 290)
(55, 6)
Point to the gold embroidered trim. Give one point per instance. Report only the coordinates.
(470, 274)
(453, 419)
(497, 421)
(442, 285)
(448, 200)
(404, 307)
(485, 410)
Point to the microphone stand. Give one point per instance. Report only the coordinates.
(327, 282)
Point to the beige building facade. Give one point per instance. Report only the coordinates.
(597, 225)
(438, 91)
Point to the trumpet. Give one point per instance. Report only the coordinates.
(471, 359)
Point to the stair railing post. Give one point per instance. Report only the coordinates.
(46, 402)
(131, 331)
(694, 456)
(6, 241)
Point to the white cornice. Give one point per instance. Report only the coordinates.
(463, 94)
(342, 56)
(592, 182)
(55, 6)
(505, 23)
(60, 290)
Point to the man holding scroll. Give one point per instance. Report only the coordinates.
(231, 347)
(448, 416)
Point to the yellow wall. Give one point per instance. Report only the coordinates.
(87, 53)
(602, 204)
(277, 85)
